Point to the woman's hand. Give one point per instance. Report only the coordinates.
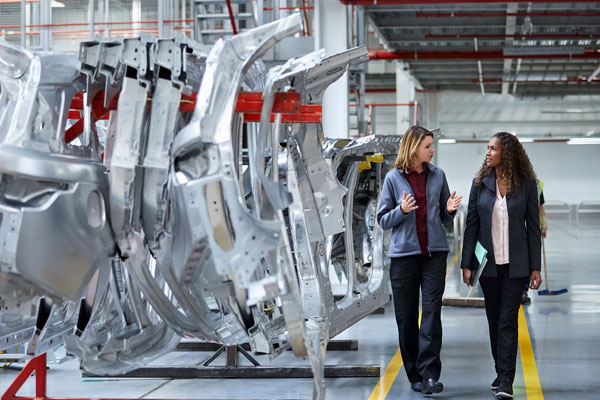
(466, 276)
(453, 203)
(536, 280)
(408, 203)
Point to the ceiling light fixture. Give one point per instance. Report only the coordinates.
(571, 111)
(581, 141)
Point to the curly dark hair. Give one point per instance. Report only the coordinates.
(514, 162)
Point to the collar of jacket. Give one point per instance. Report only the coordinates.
(430, 168)
(490, 181)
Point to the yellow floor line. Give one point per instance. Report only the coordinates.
(530, 373)
(389, 376)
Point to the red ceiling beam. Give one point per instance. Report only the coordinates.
(409, 2)
(505, 14)
(380, 90)
(470, 55)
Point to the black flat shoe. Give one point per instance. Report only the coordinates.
(495, 384)
(429, 386)
(504, 391)
(416, 386)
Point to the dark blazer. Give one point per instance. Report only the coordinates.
(524, 235)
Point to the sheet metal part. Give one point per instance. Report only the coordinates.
(159, 223)
(46, 185)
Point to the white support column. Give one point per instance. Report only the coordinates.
(107, 18)
(91, 19)
(161, 18)
(136, 15)
(23, 23)
(430, 117)
(511, 26)
(28, 12)
(405, 93)
(259, 12)
(330, 28)
(46, 19)
(165, 12)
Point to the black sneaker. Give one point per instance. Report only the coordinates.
(495, 384)
(504, 391)
(416, 386)
(430, 386)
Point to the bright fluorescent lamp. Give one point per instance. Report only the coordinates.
(584, 141)
(571, 111)
(58, 4)
(447, 141)
(525, 140)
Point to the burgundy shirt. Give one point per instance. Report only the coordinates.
(418, 182)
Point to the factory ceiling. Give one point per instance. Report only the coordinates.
(522, 48)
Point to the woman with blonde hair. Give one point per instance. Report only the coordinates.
(503, 215)
(415, 202)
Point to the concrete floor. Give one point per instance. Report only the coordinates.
(563, 331)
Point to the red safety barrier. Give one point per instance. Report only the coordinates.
(37, 365)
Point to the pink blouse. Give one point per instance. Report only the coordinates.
(500, 228)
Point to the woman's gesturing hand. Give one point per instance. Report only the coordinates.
(408, 203)
(453, 203)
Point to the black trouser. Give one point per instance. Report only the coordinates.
(502, 301)
(420, 348)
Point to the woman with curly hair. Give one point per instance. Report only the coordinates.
(503, 215)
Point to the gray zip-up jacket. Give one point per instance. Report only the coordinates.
(405, 241)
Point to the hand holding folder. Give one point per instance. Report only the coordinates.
(481, 255)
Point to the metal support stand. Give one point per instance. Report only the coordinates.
(232, 369)
(332, 345)
(37, 365)
(195, 372)
(231, 356)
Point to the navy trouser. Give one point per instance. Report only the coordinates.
(420, 348)
(502, 301)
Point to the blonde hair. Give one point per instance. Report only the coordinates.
(409, 145)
